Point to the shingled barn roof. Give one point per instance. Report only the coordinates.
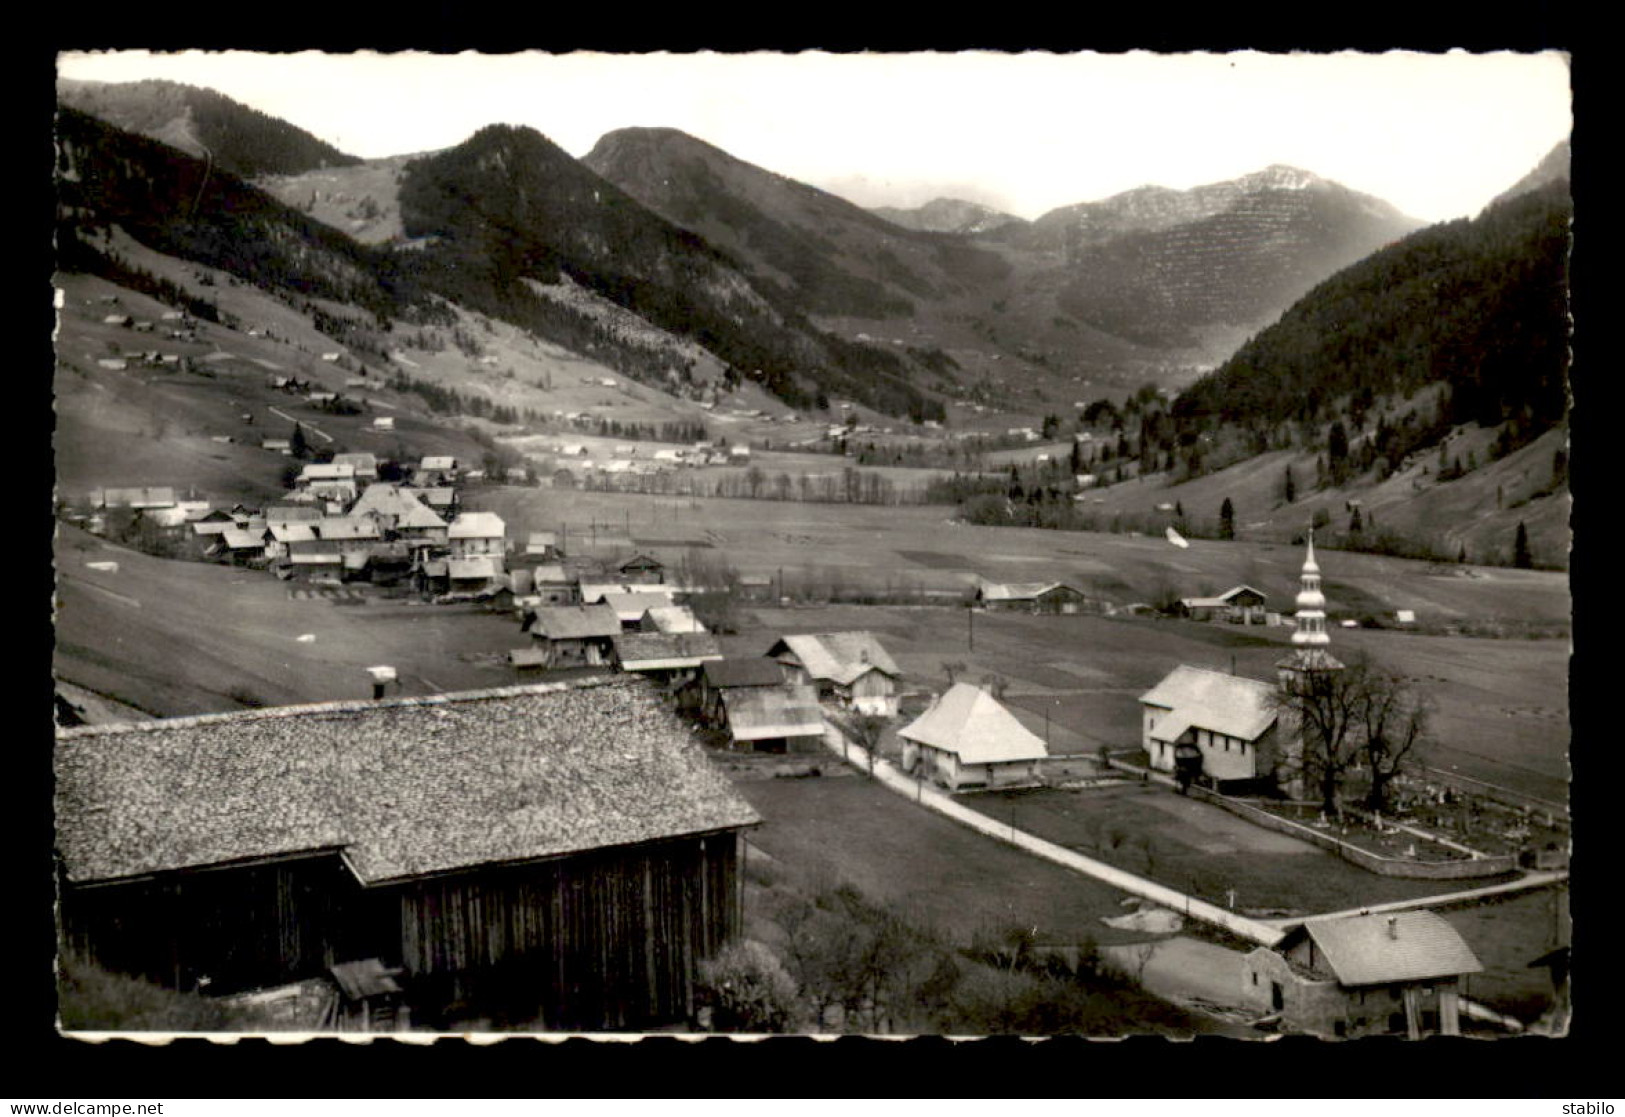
(404, 787)
(655, 651)
(575, 622)
(725, 673)
(1379, 948)
(759, 713)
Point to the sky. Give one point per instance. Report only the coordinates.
(1437, 135)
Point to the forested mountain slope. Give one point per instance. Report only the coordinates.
(205, 124)
(1480, 305)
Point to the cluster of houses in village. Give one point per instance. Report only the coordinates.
(341, 524)
(630, 459)
(561, 850)
(641, 625)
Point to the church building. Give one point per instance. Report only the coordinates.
(1234, 733)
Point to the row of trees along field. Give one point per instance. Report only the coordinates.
(849, 486)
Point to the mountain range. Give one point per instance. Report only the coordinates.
(948, 215)
(791, 286)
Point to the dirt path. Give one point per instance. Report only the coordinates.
(301, 422)
(1181, 968)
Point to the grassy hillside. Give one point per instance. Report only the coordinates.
(199, 427)
(173, 638)
(186, 207)
(1478, 511)
(830, 256)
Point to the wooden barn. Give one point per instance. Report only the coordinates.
(575, 635)
(1238, 604)
(783, 718)
(720, 677)
(1032, 597)
(557, 857)
(673, 659)
(643, 569)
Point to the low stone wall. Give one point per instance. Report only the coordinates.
(1465, 869)
(1073, 766)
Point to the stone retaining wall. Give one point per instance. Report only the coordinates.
(1070, 766)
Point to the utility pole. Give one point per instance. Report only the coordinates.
(970, 625)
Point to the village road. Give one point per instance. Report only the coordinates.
(889, 776)
(1179, 968)
(301, 422)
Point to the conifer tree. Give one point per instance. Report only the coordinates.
(1227, 520)
(1521, 558)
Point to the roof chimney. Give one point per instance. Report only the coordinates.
(1393, 926)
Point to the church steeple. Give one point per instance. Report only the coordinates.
(1310, 638)
(1311, 603)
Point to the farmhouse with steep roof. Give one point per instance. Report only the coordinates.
(968, 739)
(851, 667)
(574, 635)
(1224, 725)
(1369, 974)
(1239, 604)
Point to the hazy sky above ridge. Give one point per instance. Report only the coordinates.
(1437, 135)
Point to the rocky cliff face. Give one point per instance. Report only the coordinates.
(1153, 208)
(1166, 268)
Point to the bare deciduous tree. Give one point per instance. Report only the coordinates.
(869, 729)
(1359, 713)
(1395, 730)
